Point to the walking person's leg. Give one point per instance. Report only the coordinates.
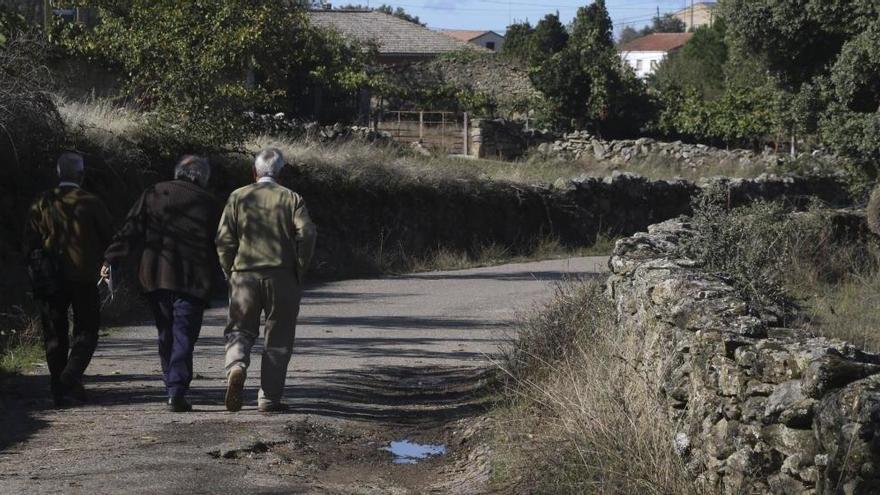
(188, 313)
(56, 341)
(163, 312)
(245, 307)
(86, 321)
(282, 295)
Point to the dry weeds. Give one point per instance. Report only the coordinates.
(581, 417)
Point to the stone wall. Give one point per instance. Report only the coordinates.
(581, 144)
(502, 139)
(759, 409)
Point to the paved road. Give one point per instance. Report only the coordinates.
(362, 347)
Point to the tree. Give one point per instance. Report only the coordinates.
(400, 14)
(666, 23)
(586, 83)
(699, 65)
(386, 9)
(628, 34)
(199, 65)
(517, 42)
(548, 39)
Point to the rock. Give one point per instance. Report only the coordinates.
(788, 405)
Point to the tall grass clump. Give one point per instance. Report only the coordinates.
(579, 416)
(816, 269)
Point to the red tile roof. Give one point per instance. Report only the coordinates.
(657, 42)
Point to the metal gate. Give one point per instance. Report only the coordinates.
(443, 132)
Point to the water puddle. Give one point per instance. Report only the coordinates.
(406, 452)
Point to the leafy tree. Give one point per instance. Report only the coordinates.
(699, 65)
(400, 14)
(517, 42)
(199, 65)
(666, 23)
(548, 39)
(628, 34)
(386, 9)
(586, 82)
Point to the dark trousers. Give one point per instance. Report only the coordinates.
(179, 321)
(69, 357)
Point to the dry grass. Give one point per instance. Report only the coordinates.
(20, 340)
(581, 418)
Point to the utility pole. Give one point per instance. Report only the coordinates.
(46, 8)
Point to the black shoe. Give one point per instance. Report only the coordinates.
(273, 407)
(59, 400)
(179, 404)
(75, 390)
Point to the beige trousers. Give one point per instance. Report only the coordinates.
(276, 293)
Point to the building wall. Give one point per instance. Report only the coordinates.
(490, 41)
(703, 16)
(644, 63)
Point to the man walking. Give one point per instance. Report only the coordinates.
(170, 233)
(265, 243)
(67, 230)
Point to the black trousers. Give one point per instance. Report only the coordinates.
(179, 321)
(68, 357)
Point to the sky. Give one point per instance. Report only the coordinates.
(496, 15)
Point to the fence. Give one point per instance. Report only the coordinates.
(445, 132)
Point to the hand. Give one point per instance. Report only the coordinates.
(105, 271)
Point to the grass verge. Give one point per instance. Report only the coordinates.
(577, 416)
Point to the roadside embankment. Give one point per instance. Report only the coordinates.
(758, 409)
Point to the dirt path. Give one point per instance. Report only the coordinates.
(375, 361)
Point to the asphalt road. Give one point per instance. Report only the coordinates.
(384, 354)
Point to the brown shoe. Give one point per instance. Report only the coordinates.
(235, 388)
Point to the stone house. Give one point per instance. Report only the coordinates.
(697, 15)
(397, 41)
(489, 40)
(645, 54)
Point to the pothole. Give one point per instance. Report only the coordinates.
(406, 452)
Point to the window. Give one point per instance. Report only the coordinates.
(639, 64)
(490, 45)
(654, 65)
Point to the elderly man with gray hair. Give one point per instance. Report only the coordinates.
(169, 234)
(265, 244)
(67, 230)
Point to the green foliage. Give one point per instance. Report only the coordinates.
(698, 66)
(548, 39)
(399, 12)
(666, 23)
(199, 65)
(628, 34)
(517, 42)
(12, 24)
(586, 83)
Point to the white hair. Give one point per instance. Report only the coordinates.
(193, 168)
(269, 163)
(70, 166)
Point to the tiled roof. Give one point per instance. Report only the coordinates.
(657, 42)
(392, 35)
(463, 35)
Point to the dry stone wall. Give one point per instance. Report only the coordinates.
(759, 409)
(581, 144)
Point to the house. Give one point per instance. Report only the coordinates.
(487, 39)
(397, 40)
(645, 54)
(697, 15)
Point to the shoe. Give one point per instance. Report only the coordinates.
(179, 404)
(235, 388)
(273, 407)
(75, 390)
(59, 400)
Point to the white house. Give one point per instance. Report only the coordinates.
(645, 54)
(487, 39)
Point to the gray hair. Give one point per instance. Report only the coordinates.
(70, 167)
(194, 169)
(269, 163)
